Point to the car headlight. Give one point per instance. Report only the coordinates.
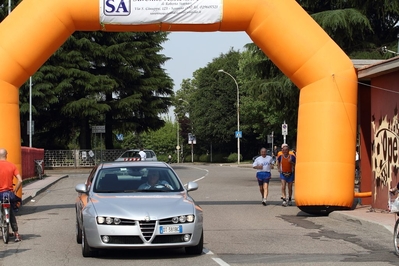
(183, 219)
(100, 219)
(190, 218)
(108, 220)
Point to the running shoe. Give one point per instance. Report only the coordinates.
(264, 202)
(284, 203)
(290, 203)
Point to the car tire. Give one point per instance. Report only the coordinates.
(78, 232)
(196, 250)
(87, 251)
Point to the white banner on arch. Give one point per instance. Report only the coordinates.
(137, 12)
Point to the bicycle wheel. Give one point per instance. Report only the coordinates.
(5, 229)
(396, 237)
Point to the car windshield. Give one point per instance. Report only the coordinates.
(136, 179)
(130, 154)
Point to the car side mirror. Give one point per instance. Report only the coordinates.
(191, 186)
(81, 188)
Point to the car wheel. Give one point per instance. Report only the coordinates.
(196, 250)
(78, 232)
(87, 251)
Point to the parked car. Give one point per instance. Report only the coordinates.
(114, 210)
(133, 155)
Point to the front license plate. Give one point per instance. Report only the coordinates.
(171, 229)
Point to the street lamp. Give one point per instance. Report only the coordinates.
(177, 139)
(238, 115)
(192, 132)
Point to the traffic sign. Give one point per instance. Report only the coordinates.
(284, 129)
(98, 129)
(238, 134)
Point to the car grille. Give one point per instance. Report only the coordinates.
(125, 240)
(127, 222)
(168, 239)
(147, 229)
(166, 221)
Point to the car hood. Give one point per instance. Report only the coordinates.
(142, 205)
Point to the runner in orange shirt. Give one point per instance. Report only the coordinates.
(286, 167)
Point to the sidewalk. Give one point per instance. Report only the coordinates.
(31, 190)
(362, 214)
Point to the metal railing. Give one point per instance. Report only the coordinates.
(78, 158)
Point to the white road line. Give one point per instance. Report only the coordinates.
(221, 262)
(207, 251)
(202, 177)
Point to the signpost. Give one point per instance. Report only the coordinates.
(284, 131)
(192, 140)
(99, 130)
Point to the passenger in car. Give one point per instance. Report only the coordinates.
(154, 182)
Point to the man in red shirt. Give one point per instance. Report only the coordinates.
(7, 172)
(286, 166)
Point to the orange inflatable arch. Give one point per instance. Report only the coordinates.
(327, 80)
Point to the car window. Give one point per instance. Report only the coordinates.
(129, 179)
(165, 175)
(130, 154)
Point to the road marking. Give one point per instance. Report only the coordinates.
(202, 177)
(207, 251)
(220, 262)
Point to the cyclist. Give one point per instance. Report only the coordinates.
(7, 172)
(395, 188)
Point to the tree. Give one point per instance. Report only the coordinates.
(269, 97)
(359, 27)
(162, 141)
(111, 79)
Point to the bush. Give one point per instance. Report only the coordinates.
(205, 158)
(163, 157)
(233, 158)
(218, 158)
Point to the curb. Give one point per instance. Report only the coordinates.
(41, 189)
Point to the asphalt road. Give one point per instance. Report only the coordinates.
(238, 230)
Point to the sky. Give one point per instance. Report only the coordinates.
(190, 51)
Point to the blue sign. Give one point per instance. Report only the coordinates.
(238, 134)
(119, 137)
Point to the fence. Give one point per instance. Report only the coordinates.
(78, 158)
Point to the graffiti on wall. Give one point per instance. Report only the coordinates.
(385, 155)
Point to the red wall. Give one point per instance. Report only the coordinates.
(384, 147)
(28, 164)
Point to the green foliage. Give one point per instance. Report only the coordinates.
(187, 159)
(233, 158)
(204, 158)
(357, 26)
(219, 158)
(99, 78)
(162, 141)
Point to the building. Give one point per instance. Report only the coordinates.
(378, 128)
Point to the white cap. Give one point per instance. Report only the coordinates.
(284, 145)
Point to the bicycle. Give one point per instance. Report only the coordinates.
(393, 206)
(39, 168)
(5, 217)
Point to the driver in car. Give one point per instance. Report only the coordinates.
(154, 182)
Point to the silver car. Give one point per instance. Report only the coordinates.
(125, 205)
(133, 155)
